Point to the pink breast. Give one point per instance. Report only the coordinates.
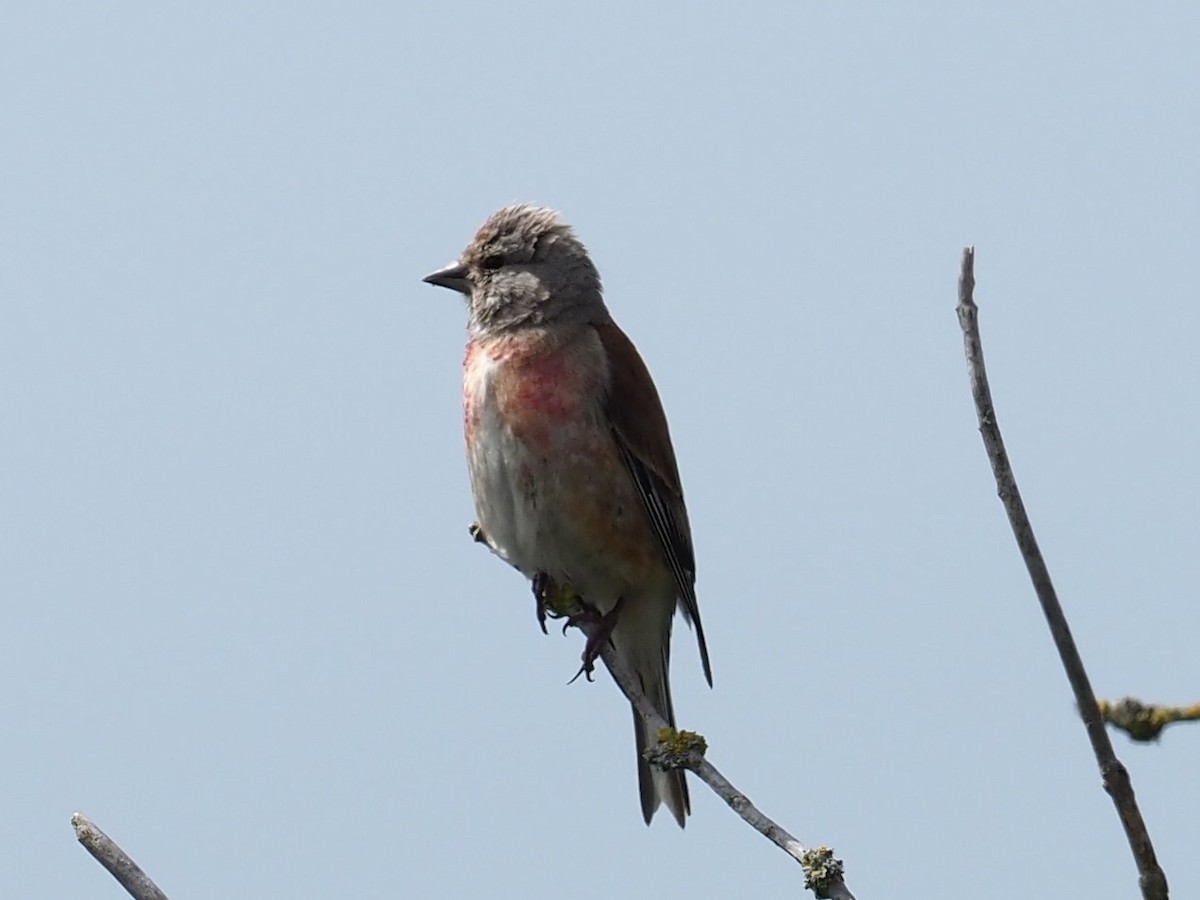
(536, 390)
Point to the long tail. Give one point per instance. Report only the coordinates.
(655, 785)
(642, 640)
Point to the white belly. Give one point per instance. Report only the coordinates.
(503, 475)
(552, 508)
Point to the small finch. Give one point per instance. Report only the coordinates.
(571, 462)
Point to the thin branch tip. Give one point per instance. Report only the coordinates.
(118, 863)
(966, 280)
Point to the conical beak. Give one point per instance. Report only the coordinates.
(453, 276)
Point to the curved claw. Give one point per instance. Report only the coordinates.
(554, 600)
(584, 670)
(541, 585)
(598, 634)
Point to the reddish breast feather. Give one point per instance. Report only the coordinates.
(542, 387)
(529, 379)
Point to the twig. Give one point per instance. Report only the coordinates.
(685, 750)
(1145, 721)
(116, 860)
(1115, 778)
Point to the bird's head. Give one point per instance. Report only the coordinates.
(524, 267)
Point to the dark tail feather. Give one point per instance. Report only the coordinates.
(655, 785)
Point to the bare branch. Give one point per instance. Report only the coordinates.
(683, 749)
(1116, 781)
(1145, 721)
(680, 749)
(116, 860)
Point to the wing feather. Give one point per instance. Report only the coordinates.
(640, 429)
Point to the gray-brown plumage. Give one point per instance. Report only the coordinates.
(571, 462)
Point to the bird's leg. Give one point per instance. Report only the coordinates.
(476, 532)
(599, 628)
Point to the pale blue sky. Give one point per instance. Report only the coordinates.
(245, 628)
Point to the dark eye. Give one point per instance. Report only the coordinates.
(494, 261)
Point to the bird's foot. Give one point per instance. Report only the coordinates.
(476, 532)
(554, 600)
(541, 586)
(599, 628)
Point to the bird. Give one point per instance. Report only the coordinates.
(572, 468)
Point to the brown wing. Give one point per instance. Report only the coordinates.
(640, 428)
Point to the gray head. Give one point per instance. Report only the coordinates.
(524, 267)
